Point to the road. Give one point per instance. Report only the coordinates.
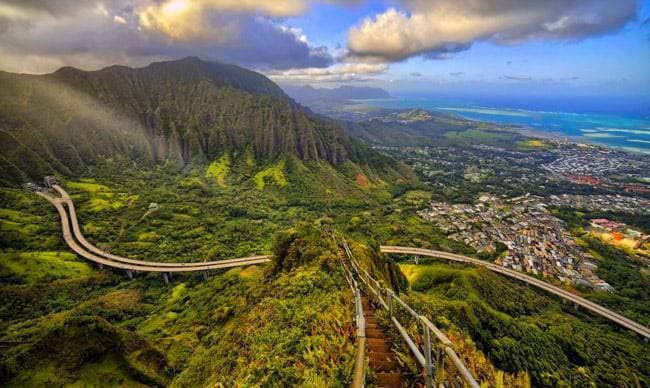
(591, 306)
(90, 252)
(76, 230)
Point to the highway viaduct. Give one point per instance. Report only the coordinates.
(72, 231)
(75, 240)
(557, 291)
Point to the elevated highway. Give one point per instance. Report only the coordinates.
(591, 306)
(76, 230)
(88, 251)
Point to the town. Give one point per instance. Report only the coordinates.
(523, 235)
(604, 203)
(558, 168)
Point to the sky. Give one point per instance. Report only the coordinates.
(409, 47)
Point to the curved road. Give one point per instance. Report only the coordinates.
(591, 306)
(101, 257)
(76, 230)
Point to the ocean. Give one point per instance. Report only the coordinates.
(630, 132)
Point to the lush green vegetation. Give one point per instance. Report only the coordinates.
(522, 330)
(274, 174)
(35, 267)
(219, 169)
(289, 323)
(192, 332)
(180, 112)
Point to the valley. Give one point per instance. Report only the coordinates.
(182, 167)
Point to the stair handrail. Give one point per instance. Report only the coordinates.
(359, 376)
(423, 356)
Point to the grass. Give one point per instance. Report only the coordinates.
(219, 169)
(474, 134)
(107, 372)
(274, 174)
(32, 267)
(17, 216)
(88, 187)
(101, 198)
(521, 329)
(148, 237)
(533, 143)
(101, 204)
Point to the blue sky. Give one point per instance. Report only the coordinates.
(613, 63)
(410, 47)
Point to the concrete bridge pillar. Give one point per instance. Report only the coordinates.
(165, 278)
(100, 266)
(129, 273)
(205, 275)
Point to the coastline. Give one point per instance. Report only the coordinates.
(630, 134)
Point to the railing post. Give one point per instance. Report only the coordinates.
(428, 367)
(389, 301)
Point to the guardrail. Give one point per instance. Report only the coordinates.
(359, 378)
(389, 299)
(587, 304)
(135, 265)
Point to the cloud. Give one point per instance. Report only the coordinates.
(346, 72)
(516, 78)
(209, 20)
(41, 35)
(437, 29)
(416, 74)
(119, 19)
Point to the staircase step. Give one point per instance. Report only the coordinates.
(389, 380)
(378, 354)
(380, 348)
(375, 333)
(378, 342)
(383, 364)
(382, 360)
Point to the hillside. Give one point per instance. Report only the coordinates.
(179, 111)
(419, 127)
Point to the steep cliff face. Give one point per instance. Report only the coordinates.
(182, 111)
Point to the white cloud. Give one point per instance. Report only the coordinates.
(345, 72)
(118, 19)
(437, 28)
(190, 20)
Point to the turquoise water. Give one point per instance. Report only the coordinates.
(626, 132)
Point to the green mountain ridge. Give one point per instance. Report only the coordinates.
(179, 111)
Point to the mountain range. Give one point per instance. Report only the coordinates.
(179, 111)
